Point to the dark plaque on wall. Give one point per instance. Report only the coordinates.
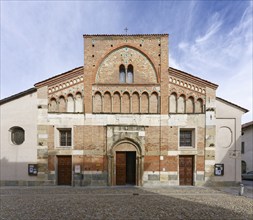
(32, 169)
(219, 169)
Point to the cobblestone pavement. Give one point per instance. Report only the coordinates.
(122, 203)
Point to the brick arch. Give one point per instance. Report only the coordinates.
(78, 92)
(174, 93)
(69, 94)
(62, 95)
(102, 59)
(107, 91)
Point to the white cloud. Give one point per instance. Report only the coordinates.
(215, 24)
(224, 58)
(42, 39)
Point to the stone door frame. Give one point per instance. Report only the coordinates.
(112, 161)
(134, 137)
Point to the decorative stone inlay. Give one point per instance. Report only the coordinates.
(65, 84)
(187, 85)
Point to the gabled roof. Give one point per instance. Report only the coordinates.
(232, 104)
(247, 124)
(62, 76)
(18, 95)
(191, 78)
(123, 35)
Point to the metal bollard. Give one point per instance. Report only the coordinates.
(241, 190)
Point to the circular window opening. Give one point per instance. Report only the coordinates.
(17, 135)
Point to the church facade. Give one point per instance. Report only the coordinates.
(125, 117)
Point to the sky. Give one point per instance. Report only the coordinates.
(209, 39)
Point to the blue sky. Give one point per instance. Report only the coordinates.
(209, 39)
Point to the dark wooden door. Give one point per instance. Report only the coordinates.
(120, 168)
(64, 170)
(125, 168)
(130, 167)
(186, 170)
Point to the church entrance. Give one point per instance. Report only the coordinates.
(126, 167)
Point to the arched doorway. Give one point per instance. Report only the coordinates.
(125, 168)
(125, 164)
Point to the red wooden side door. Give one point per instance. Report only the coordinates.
(186, 170)
(64, 170)
(120, 168)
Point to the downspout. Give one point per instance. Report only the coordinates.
(160, 141)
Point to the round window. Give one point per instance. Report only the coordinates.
(17, 135)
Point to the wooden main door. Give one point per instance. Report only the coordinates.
(186, 170)
(125, 168)
(64, 170)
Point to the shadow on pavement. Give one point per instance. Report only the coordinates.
(122, 203)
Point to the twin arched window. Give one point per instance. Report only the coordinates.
(126, 76)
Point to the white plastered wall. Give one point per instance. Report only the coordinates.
(20, 112)
(228, 141)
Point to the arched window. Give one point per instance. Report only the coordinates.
(190, 105)
(17, 135)
(70, 104)
(135, 103)
(144, 102)
(78, 103)
(97, 102)
(154, 103)
(52, 105)
(125, 103)
(130, 74)
(199, 106)
(122, 74)
(173, 103)
(116, 102)
(107, 102)
(62, 104)
(181, 104)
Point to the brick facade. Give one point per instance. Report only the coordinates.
(130, 116)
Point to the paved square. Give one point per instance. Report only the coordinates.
(122, 203)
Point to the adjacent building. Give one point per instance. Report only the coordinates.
(124, 117)
(247, 147)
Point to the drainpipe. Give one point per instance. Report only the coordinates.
(160, 142)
